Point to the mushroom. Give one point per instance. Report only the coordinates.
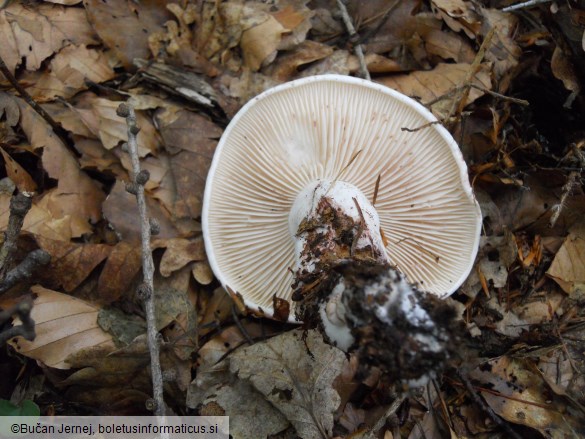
(329, 139)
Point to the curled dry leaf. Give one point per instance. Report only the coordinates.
(64, 325)
(296, 376)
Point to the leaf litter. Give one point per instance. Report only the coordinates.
(187, 68)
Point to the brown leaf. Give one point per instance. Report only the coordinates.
(179, 252)
(70, 69)
(138, 20)
(307, 52)
(430, 85)
(458, 15)
(17, 174)
(76, 195)
(36, 33)
(38, 221)
(568, 266)
(71, 263)
(121, 211)
(112, 129)
(64, 325)
(123, 264)
(259, 43)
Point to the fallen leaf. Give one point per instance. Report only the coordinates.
(297, 383)
(179, 252)
(64, 325)
(121, 210)
(71, 263)
(259, 43)
(38, 221)
(430, 85)
(520, 396)
(123, 264)
(137, 19)
(307, 52)
(70, 70)
(18, 174)
(112, 129)
(568, 266)
(458, 15)
(76, 194)
(36, 33)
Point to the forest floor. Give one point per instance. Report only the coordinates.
(506, 84)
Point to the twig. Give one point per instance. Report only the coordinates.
(59, 131)
(20, 204)
(26, 330)
(146, 289)
(354, 38)
(240, 326)
(390, 412)
(25, 269)
(477, 399)
(522, 5)
(572, 180)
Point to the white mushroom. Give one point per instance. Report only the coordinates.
(332, 136)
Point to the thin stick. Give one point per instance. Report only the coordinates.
(20, 204)
(353, 35)
(522, 5)
(376, 190)
(146, 290)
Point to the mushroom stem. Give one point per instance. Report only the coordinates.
(348, 288)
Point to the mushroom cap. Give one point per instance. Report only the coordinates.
(301, 131)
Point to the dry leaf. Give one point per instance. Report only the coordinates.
(459, 15)
(76, 195)
(64, 325)
(112, 129)
(71, 263)
(179, 252)
(259, 43)
(307, 52)
(121, 210)
(36, 33)
(430, 85)
(137, 19)
(38, 221)
(18, 175)
(122, 266)
(296, 376)
(70, 69)
(521, 397)
(568, 266)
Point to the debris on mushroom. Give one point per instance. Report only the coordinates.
(289, 199)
